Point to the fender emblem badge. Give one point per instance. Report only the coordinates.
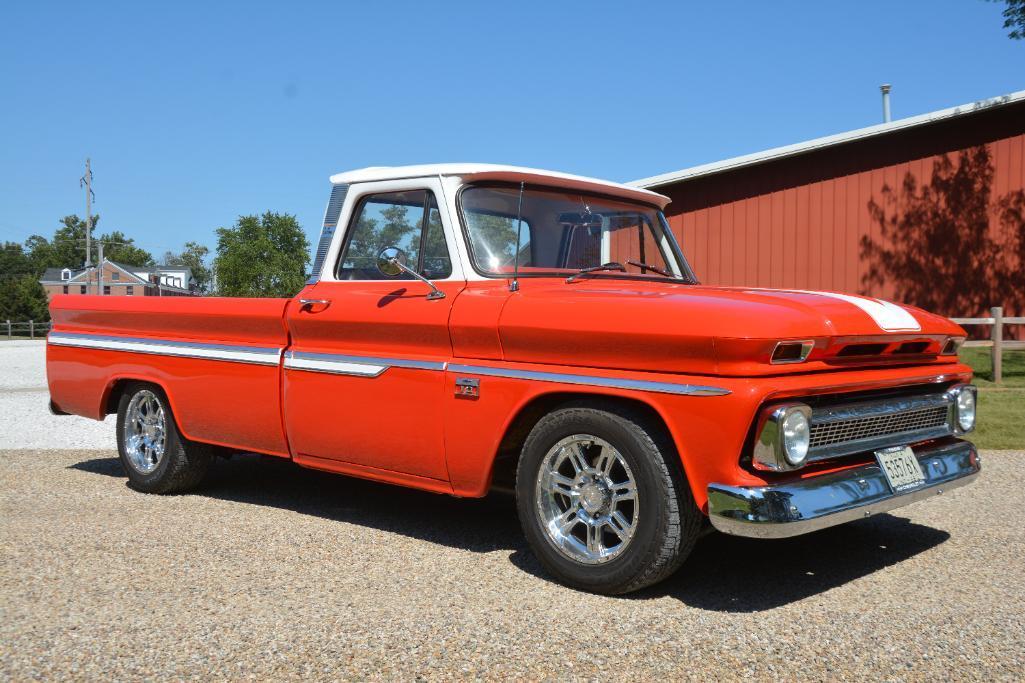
(467, 387)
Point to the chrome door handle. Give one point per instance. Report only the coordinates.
(310, 303)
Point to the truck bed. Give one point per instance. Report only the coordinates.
(213, 356)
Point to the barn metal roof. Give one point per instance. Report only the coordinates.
(827, 141)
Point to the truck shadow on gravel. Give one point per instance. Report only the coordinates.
(722, 574)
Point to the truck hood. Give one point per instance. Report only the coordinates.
(667, 327)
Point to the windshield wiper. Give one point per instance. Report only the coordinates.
(654, 269)
(612, 265)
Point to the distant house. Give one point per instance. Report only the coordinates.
(114, 279)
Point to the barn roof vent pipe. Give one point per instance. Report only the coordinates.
(885, 89)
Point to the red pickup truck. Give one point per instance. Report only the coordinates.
(469, 327)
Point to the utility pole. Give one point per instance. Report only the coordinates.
(99, 269)
(87, 182)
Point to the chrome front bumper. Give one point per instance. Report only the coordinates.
(806, 505)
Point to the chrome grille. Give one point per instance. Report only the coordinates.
(855, 427)
(878, 425)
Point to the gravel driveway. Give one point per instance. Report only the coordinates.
(272, 571)
(25, 421)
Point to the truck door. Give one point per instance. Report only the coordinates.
(363, 379)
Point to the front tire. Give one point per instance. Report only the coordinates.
(152, 451)
(601, 502)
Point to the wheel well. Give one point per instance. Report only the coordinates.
(114, 395)
(118, 387)
(503, 473)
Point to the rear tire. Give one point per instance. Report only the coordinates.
(152, 451)
(601, 502)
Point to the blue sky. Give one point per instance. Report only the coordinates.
(195, 113)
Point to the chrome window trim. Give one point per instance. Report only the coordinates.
(163, 347)
(593, 381)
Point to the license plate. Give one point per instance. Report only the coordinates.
(901, 468)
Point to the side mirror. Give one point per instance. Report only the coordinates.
(390, 261)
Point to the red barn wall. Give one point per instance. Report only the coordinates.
(799, 222)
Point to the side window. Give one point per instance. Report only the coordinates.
(410, 221)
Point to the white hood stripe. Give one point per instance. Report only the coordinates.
(889, 317)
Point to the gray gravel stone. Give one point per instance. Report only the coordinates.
(274, 572)
(25, 421)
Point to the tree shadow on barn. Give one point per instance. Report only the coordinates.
(948, 245)
(723, 573)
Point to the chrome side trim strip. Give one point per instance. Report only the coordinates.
(593, 381)
(163, 347)
(358, 366)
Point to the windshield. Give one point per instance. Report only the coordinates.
(563, 232)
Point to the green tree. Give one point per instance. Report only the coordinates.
(193, 257)
(14, 260)
(21, 296)
(121, 249)
(65, 250)
(1014, 18)
(262, 256)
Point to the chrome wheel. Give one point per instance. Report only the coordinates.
(586, 499)
(145, 431)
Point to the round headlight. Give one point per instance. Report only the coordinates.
(796, 437)
(966, 409)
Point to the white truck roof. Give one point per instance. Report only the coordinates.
(470, 172)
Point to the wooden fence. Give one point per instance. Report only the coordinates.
(996, 339)
(31, 329)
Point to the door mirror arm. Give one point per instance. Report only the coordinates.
(391, 261)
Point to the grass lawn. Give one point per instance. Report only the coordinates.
(1001, 409)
